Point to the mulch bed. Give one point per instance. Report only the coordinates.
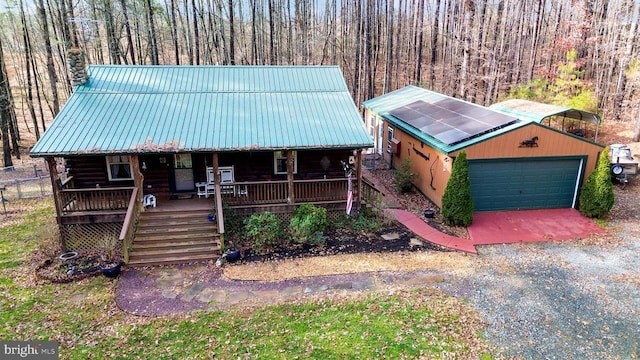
(345, 241)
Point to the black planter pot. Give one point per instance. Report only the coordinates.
(429, 213)
(111, 269)
(232, 254)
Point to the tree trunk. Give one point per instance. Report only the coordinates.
(112, 39)
(434, 44)
(272, 33)
(153, 45)
(51, 71)
(232, 35)
(469, 15)
(127, 28)
(418, 42)
(27, 59)
(389, 58)
(196, 36)
(5, 111)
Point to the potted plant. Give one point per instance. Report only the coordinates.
(108, 249)
(231, 253)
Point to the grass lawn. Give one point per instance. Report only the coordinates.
(83, 318)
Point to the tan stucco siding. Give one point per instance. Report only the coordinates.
(550, 144)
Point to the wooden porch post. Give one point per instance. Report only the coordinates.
(219, 212)
(291, 189)
(357, 193)
(56, 185)
(138, 177)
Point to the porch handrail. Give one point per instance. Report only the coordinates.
(94, 199)
(129, 224)
(371, 195)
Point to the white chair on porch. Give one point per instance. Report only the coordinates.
(226, 177)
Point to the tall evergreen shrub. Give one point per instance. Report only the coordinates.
(457, 203)
(596, 195)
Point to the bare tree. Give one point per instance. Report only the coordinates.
(5, 111)
(51, 72)
(127, 27)
(26, 41)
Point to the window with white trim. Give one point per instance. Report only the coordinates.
(119, 168)
(389, 138)
(280, 162)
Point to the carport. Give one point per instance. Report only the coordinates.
(577, 122)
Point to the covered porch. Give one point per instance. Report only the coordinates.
(110, 209)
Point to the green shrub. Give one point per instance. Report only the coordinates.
(457, 203)
(366, 221)
(263, 230)
(308, 224)
(596, 195)
(404, 177)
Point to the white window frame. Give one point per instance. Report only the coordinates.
(282, 155)
(390, 132)
(119, 160)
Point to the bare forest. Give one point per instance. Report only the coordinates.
(582, 53)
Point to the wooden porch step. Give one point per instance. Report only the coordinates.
(155, 253)
(154, 223)
(173, 237)
(159, 237)
(177, 244)
(176, 229)
(171, 260)
(174, 214)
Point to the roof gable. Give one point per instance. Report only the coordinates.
(139, 109)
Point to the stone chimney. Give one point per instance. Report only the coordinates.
(77, 66)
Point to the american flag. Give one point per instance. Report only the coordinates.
(349, 195)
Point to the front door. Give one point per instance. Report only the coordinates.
(183, 172)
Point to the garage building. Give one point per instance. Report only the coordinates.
(520, 157)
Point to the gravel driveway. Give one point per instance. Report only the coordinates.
(562, 300)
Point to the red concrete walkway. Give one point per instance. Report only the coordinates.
(417, 226)
(505, 227)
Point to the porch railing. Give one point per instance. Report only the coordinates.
(130, 223)
(276, 192)
(98, 199)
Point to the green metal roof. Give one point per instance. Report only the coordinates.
(141, 109)
(535, 111)
(385, 104)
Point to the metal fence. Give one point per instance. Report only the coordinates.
(24, 181)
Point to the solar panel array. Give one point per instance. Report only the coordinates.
(451, 121)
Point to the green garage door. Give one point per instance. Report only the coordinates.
(524, 183)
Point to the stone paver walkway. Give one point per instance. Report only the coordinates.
(183, 288)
